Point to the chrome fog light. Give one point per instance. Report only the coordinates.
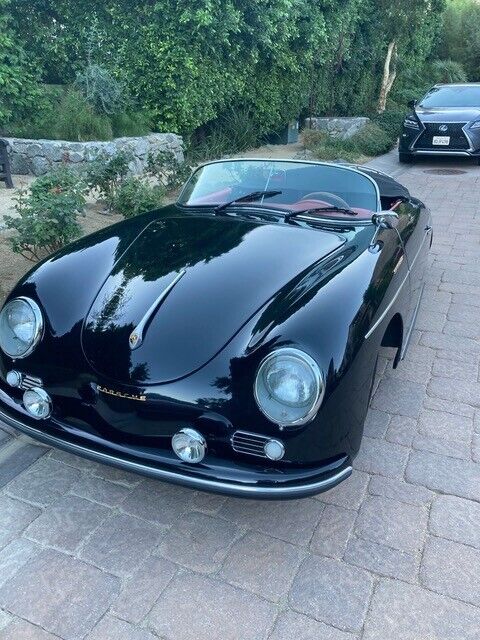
(14, 378)
(189, 445)
(38, 403)
(274, 449)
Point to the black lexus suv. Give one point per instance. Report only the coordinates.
(446, 121)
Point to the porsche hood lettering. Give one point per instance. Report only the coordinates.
(120, 394)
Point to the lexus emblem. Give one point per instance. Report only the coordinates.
(443, 128)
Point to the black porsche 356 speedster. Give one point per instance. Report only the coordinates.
(227, 342)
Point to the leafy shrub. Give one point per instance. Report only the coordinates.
(447, 71)
(101, 90)
(76, 120)
(66, 116)
(235, 130)
(372, 140)
(209, 146)
(38, 123)
(130, 195)
(313, 137)
(105, 174)
(130, 123)
(167, 170)
(459, 39)
(391, 121)
(324, 147)
(47, 216)
(240, 128)
(135, 196)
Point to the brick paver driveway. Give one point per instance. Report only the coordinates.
(392, 554)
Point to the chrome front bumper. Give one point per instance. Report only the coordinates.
(282, 490)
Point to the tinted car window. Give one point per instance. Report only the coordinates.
(459, 96)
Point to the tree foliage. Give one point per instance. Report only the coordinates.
(19, 91)
(448, 71)
(460, 36)
(189, 62)
(101, 90)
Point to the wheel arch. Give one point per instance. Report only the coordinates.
(393, 336)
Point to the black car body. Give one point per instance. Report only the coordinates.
(446, 121)
(164, 326)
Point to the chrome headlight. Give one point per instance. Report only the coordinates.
(21, 326)
(289, 387)
(475, 125)
(411, 123)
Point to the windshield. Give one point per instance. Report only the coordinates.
(300, 186)
(455, 96)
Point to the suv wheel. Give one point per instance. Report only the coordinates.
(405, 157)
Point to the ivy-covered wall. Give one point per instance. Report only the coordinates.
(188, 61)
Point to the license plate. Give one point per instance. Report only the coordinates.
(442, 141)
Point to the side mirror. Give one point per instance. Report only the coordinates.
(412, 104)
(385, 219)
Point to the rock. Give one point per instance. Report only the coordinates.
(92, 150)
(110, 149)
(135, 166)
(33, 150)
(340, 128)
(37, 157)
(141, 146)
(52, 151)
(39, 165)
(19, 164)
(75, 156)
(19, 146)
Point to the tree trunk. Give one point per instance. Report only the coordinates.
(389, 75)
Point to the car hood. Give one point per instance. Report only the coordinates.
(439, 114)
(194, 281)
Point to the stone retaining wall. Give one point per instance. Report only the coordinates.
(36, 157)
(341, 128)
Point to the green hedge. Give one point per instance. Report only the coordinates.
(19, 91)
(190, 62)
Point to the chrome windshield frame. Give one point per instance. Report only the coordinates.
(351, 169)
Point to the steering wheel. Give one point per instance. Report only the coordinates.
(325, 196)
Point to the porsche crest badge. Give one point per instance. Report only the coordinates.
(134, 339)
